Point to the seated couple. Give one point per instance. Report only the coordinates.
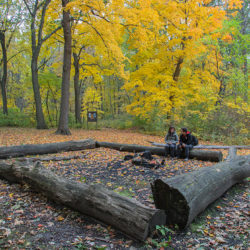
(185, 143)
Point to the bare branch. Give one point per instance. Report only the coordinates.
(16, 54)
(28, 7)
(41, 4)
(90, 64)
(97, 32)
(52, 33)
(39, 39)
(44, 63)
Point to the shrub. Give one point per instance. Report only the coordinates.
(15, 118)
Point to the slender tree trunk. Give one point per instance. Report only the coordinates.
(221, 93)
(65, 92)
(176, 75)
(244, 17)
(177, 69)
(4, 77)
(48, 111)
(41, 124)
(77, 90)
(37, 23)
(245, 71)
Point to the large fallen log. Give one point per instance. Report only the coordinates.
(53, 158)
(200, 146)
(127, 215)
(185, 196)
(214, 156)
(47, 148)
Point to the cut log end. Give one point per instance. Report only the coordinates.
(172, 201)
(159, 218)
(185, 196)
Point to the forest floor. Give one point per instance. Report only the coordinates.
(29, 221)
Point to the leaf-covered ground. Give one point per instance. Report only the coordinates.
(29, 220)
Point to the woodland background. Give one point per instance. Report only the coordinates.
(141, 64)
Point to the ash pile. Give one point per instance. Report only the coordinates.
(145, 159)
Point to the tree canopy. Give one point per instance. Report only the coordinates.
(161, 62)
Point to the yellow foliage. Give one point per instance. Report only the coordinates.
(91, 101)
(169, 45)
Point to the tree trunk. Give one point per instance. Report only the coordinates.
(245, 71)
(222, 92)
(77, 90)
(198, 154)
(244, 18)
(35, 47)
(185, 196)
(127, 215)
(4, 77)
(65, 91)
(37, 24)
(176, 75)
(177, 71)
(47, 106)
(48, 148)
(41, 124)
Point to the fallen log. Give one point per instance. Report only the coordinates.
(127, 215)
(214, 156)
(185, 196)
(55, 158)
(200, 146)
(47, 148)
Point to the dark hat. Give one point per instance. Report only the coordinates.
(184, 129)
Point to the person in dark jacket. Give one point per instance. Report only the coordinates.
(171, 140)
(185, 143)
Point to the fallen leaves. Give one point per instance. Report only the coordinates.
(4, 232)
(60, 218)
(220, 240)
(47, 223)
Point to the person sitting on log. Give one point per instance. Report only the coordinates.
(171, 140)
(185, 143)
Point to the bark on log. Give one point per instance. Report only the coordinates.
(198, 154)
(185, 196)
(55, 158)
(127, 215)
(48, 148)
(205, 146)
